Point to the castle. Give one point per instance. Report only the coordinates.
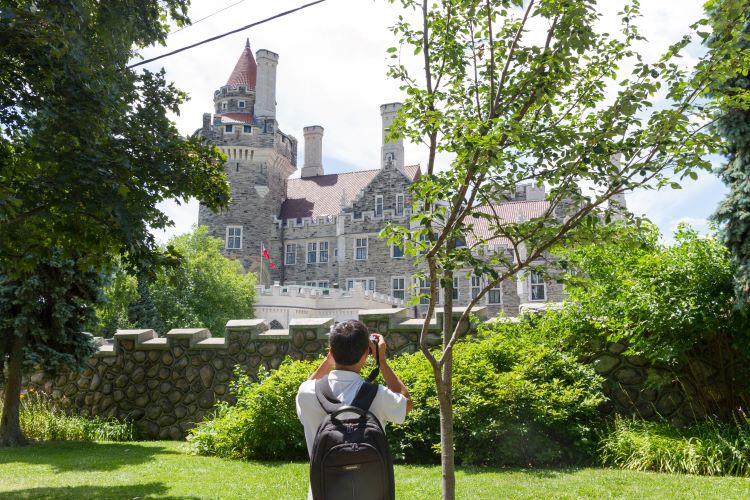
(322, 229)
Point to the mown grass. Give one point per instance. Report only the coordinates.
(78, 470)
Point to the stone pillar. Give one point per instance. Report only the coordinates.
(313, 151)
(265, 86)
(392, 152)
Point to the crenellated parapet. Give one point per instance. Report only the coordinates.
(165, 384)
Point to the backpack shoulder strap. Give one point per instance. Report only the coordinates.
(365, 396)
(325, 396)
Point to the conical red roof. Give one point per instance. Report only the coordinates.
(245, 70)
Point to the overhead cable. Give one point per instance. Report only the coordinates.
(282, 14)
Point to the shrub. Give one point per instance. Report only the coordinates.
(518, 400)
(43, 420)
(709, 448)
(263, 423)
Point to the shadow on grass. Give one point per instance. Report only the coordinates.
(76, 456)
(98, 492)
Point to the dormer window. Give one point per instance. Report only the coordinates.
(228, 128)
(242, 91)
(242, 104)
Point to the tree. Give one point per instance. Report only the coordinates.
(733, 123)
(674, 305)
(48, 308)
(86, 149)
(206, 289)
(551, 109)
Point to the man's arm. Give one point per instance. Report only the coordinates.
(391, 379)
(324, 369)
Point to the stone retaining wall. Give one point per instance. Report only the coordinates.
(167, 384)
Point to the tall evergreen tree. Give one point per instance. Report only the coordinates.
(734, 126)
(87, 153)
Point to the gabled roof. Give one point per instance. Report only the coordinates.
(507, 212)
(321, 195)
(245, 71)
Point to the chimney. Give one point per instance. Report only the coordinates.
(206, 129)
(392, 152)
(313, 151)
(265, 86)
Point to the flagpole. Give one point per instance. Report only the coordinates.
(260, 274)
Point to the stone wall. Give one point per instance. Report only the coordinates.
(681, 395)
(167, 384)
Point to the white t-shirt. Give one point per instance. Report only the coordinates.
(388, 406)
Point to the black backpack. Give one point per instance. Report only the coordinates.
(350, 456)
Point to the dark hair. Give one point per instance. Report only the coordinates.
(348, 341)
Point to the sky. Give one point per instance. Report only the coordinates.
(332, 72)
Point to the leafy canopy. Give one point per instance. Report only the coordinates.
(206, 289)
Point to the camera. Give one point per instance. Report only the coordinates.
(374, 338)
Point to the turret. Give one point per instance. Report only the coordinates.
(265, 87)
(313, 151)
(392, 152)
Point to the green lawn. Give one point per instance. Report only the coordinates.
(163, 470)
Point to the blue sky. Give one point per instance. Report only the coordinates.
(332, 72)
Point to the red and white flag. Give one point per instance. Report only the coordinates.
(267, 256)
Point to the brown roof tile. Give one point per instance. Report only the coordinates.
(509, 212)
(245, 71)
(236, 118)
(321, 195)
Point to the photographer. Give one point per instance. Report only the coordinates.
(322, 402)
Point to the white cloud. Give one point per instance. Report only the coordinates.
(332, 72)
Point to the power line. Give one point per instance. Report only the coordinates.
(204, 18)
(282, 14)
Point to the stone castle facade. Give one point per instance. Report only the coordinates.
(322, 229)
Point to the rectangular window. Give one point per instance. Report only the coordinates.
(242, 104)
(455, 288)
(323, 248)
(360, 248)
(234, 237)
(424, 291)
(248, 129)
(367, 283)
(228, 128)
(317, 284)
(476, 286)
(537, 285)
(312, 253)
(223, 104)
(399, 204)
(291, 255)
(379, 205)
(495, 295)
(397, 252)
(398, 288)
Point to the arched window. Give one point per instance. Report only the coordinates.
(275, 325)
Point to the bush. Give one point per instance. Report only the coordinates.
(263, 423)
(709, 448)
(518, 400)
(42, 420)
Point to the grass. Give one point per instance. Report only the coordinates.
(78, 470)
(707, 448)
(44, 420)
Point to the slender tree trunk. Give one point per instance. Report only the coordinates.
(445, 399)
(10, 423)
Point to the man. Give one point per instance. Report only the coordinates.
(349, 347)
